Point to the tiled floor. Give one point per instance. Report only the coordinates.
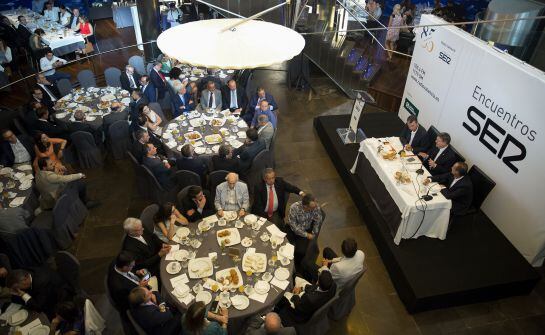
(302, 160)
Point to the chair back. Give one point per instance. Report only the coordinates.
(64, 86)
(112, 75)
(186, 178)
(68, 215)
(109, 119)
(156, 107)
(347, 298)
(87, 79)
(118, 138)
(89, 155)
(137, 328)
(215, 178)
(139, 177)
(138, 63)
(107, 289)
(432, 135)
(28, 247)
(68, 268)
(482, 186)
(4, 262)
(459, 157)
(259, 163)
(147, 217)
(319, 322)
(18, 123)
(181, 196)
(148, 68)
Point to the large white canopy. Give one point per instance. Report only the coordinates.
(249, 45)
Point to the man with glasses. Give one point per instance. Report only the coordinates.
(196, 205)
(232, 195)
(15, 150)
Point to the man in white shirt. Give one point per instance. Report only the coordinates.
(51, 13)
(211, 97)
(75, 19)
(49, 63)
(64, 16)
(15, 150)
(173, 15)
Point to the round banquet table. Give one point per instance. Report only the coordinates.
(16, 187)
(206, 131)
(195, 74)
(94, 102)
(237, 318)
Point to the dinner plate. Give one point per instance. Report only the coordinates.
(255, 262)
(200, 267)
(224, 274)
(18, 317)
(217, 122)
(240, 302)
(281, 274)
(204, 296)
(181, 255)
(230, 215)
(39, 330)
(72, 105)
(213, 139)
(182, 232)
(232, 238)
(200, 150)
(173, 268)
(204, 225)
(246, 242)
(197, 122)
(181, 290)
(262, 287)
(250, 218)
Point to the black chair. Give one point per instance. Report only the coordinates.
(215, 178)
(139, 177)
(156, 107)
(87, 79)
(118, 138)
(4, 260)
(64, 86)
(147, 217)
(89, 155)
(318, 324)
(186, 178)
(27, 248)
(112, 75)
(260, 162)
(111, 118)
(157, 192)
(68, 268)
(482, 186)
(459, 157)
(181, 195)
(18, 123)
(432, 135)
(347, 298)
(136, 326)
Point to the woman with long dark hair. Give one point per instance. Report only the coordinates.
(165, 221)
(44, 147)
(195, 321)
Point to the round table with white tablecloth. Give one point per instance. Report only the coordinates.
(16, 186)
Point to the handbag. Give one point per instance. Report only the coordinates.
(88, 48)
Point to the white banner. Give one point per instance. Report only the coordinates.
(492, 106)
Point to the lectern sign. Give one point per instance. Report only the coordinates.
(356, 113)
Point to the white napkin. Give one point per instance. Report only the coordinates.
(241, 134)
(300, 282)
(17, 202)
(25, 186)
(209, 282)
(12, 308)
(212, 255)
(273, 229)
(173, 249)
(24, 167)
(259, 297)
(187, 299)
(25, 329)
(281, 284)
(236, 144)
(211, 218)
(242, 124)
(251, 251)
(289, 249)
(181, 279)
(289, 295)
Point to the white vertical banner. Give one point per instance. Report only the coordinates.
(492, 106)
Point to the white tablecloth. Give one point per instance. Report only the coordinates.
(436, 212)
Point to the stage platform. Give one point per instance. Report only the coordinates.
(475, 263)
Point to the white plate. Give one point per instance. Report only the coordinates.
(226, 272)
(181, 254)
(200, 267)
(203, 225)
(230, 215)
(181, 290)
(39, 330)
(262, 287)
(240, 302)
(250, 218)
(217, 122)
(198, 122)
(173, 268)
(195, 134)
(282, 251)
(213, 139)
(200, 150)
(18, 317)
(281, 274)
(255, 262)
(246, 242)
(232, 239)
(182, 232)
(204, 296)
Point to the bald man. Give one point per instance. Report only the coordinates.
(268, 326)
(232, 195)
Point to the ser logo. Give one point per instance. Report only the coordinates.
(425, 35)
(444, 57)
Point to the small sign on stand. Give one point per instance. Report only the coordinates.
(353, 134)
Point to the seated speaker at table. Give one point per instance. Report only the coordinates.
(441, 157)
(234, 98)
(211, 97)
(458, 188)
(182, 101)
(130, 80)
(414, 135)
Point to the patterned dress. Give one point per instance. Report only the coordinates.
(393, 30)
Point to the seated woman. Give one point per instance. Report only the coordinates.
(195, 321)
(44, 147)
(37, 45)
(153, 120)
(68, 320)
(86, 30)
(5, 56)
(165, 221)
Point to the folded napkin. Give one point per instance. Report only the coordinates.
(251, 251)
(209, 282)
(273, 229)
(12, 308)
(288, 251)
(289, 295)
(259, 297)
(173, 249)
(236, 144)
(187, 299)
(300, 282)
(26, 328)
(18, 201)
(181, 279)
(242, 124)
(211, 218)
(24, 167)
(281, 284)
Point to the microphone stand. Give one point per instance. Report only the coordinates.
(427, 196)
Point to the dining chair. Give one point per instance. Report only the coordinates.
(118, 138)
(89, 155)
(138, 63)
(347, 298)
(318, 324)
(112, 76)
(147, 217)
(87, 79)
(64, 86)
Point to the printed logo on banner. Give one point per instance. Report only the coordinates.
(425, 36)
(410, 107)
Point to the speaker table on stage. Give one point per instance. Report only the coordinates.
(353, 134)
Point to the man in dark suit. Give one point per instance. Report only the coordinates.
(80, 125)
(441, 158)
(46, 126)
(23, 32)
(197, 204)
(249, 150)
(414, 136)
(190, 162)
(182, 101)
(270, 197)
(270, 325)
(138, 99)
(224, 160)
(152, 314)
(37, 290)
(146, 247)
(233, 98)
(39, 95)
(15, 149)
(158, 166)
(129, 79)
(138, 147)
(50, 91)
(121, 280)
(458, 188)
(157, 78)
(314, 297)
(255, 102)
(148, 89)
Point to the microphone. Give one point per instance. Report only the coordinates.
(427, 196)
(420, 171)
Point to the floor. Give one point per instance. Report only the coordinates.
(302, 160)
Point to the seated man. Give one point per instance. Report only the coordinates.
(232, 195)
(269, 325)
(314, 297)
(233, 98)
(137, 99)
(146, 247)
(441, 158)
(246, 153)
(196, 204)
(458, 188)
(159, 167)
(46, 126)
(49, 63)
(265, 130)
(182, 101)
(264, 109)
(80, 125)
(152, 314)
(121, 279)
(304, 220)
(255, 103)
(190, 162)
(147, 89)
(270, 197)
(50, 92)
(224, 160)
(138, 147)
(15, 149)
(211, 97)
(36, 290)
(51, 185)
(39, 96)
(414, 136)
(129, 79)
